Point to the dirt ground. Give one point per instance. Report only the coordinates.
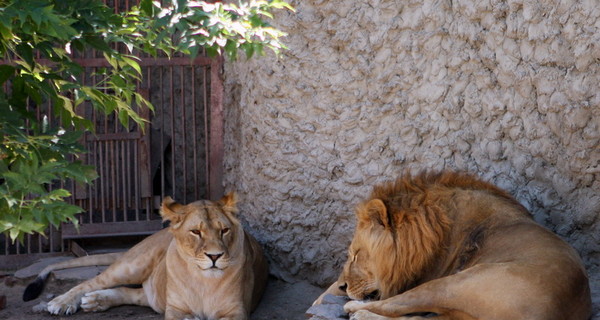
(285, 301)
(281, 301)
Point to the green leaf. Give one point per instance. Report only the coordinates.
(6, 32)
(132, 63)
(124, 118)
(6, 72)
(59, 193)
(25, 52)
(97, 43)
(147, 7)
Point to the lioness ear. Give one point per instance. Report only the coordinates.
(171, 210)
(229, 202)
(375, 212)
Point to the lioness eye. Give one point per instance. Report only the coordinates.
(225, 231)
(196, 232)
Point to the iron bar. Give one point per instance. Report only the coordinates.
(195, 136)
(183, 134)
(173, 137)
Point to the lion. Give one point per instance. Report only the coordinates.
(447, 245)
(203, 265)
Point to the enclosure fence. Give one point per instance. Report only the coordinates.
(178, 154)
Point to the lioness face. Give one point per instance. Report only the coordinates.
(206, 233)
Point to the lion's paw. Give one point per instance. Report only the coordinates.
(96, 301)
(353, 306)
(63, 305)
(366, 315)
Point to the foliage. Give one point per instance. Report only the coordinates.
(38, 39)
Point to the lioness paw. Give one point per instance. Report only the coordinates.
(59, 306)
(95, 301)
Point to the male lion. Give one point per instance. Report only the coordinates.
(450, 246)
(203, 265)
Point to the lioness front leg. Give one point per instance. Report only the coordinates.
(101, 300)
(69, 302)
(236, 315)
(124, 271)
(172, 313)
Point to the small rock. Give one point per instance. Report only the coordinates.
(331, 308)
(10, 281)
(333, 299)
(50, 296)
(326, 311)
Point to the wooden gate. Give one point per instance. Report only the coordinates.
(179, 154)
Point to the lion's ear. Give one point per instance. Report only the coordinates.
(172, 211)
(229, 202)
(375, 212)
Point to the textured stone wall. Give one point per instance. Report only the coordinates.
(508, 90)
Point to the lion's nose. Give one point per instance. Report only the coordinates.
(343, 287)
(214, 256)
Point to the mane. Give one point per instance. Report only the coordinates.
(409, 185)
(419, 223)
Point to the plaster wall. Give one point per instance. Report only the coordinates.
(508, 90)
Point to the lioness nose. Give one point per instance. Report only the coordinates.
(343, 287)
(214, 256)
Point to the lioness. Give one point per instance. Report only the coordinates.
(450, 246)
(203, 265)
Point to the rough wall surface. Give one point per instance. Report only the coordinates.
(508, 90)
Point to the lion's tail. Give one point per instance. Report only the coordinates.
(35, 288)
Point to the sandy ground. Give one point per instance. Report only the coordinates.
(281, 301)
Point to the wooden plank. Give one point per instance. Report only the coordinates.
(144, 62)
(111, 229)
(113, 136)
(76, 249)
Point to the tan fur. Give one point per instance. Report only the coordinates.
(452, 245)
(203, 265)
